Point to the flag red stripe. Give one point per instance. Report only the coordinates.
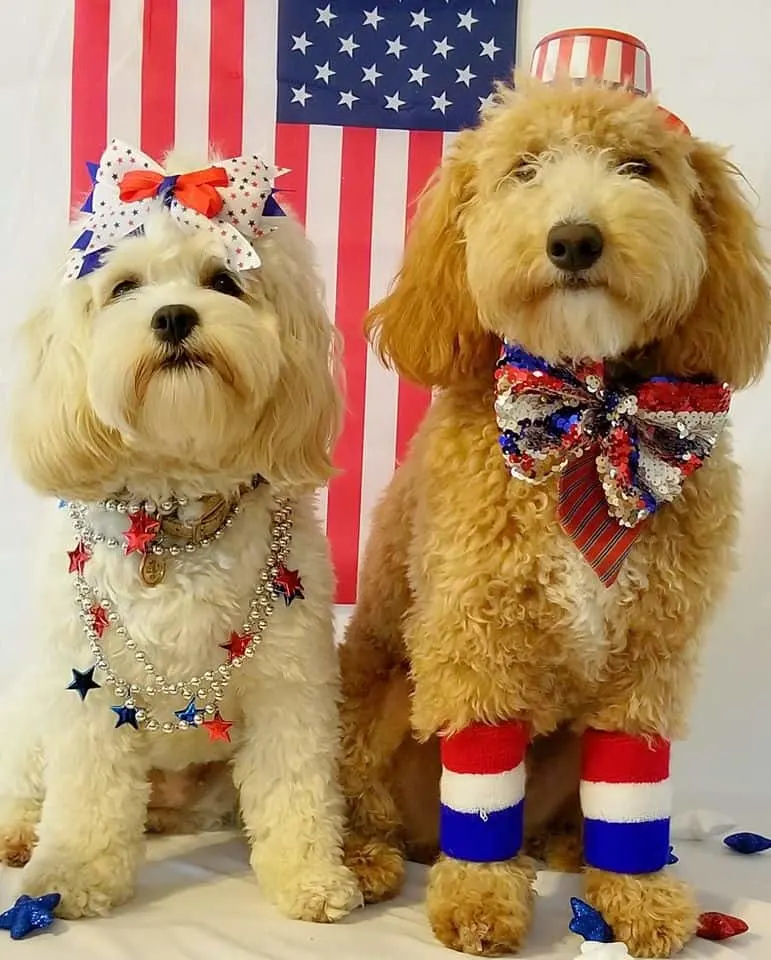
(424, 156)
(159, 76)
(357, 178)
(292, 145)
(90, 53)
(226, 77)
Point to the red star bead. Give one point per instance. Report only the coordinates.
(141, 533)
(217, 728)
(720, 926)
(288, 584)
(237, 645)
(79, 557)
(100, 621)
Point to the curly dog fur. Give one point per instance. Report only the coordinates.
(473, 604)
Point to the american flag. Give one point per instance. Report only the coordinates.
(359, 100)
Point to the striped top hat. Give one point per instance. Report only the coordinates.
(617, 59)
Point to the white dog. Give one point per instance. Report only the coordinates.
(180, 397)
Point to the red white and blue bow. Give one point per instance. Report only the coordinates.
(229, 199)
(640, 441)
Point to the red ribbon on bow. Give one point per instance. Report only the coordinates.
(195, 190)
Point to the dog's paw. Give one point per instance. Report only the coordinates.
(481, 908)
(87, 889)
(378, 866)
(17, 843)
(321, 893)
(654, 914)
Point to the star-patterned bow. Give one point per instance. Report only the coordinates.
(641, 441)
(229, 199)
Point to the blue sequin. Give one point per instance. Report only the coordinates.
(589, 923)
(190, 714)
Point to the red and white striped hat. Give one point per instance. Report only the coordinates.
(618, 59)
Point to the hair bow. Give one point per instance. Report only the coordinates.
(229, 199)
(640, 442)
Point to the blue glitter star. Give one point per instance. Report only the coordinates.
(589, 923)
(191, 714)
(126, 715)
(83, 682)
(28, 914)
(747, 842)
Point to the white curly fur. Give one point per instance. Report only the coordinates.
(97, 412)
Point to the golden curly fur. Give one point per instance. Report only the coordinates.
(473, 604)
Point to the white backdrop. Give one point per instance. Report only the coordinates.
(711, 65)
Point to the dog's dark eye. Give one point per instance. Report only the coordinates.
(524, 171)
(223, 282)
(122, 288)
(636, 167)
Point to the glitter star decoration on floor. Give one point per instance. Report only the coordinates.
(29, 914)
(288, 584)
(720, 926)
(236, 646)
(217, 728)
(83, 681)
(190, 713)
(589, 923)
(141, 533)
(79, 557)
(127, 716)
(747, 842)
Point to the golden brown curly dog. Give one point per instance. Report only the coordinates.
(477, 614)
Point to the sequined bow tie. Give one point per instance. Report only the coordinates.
(635, 443)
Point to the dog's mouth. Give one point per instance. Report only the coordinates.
(181, 359)
(577, 281)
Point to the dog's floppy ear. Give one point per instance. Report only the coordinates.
(426, 328)
(58, 444)
(727, 334)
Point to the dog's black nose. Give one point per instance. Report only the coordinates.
(174, 323)
(574, 246)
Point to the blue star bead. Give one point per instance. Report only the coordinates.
(672, 858)
(589, 923)
(83, 682)
(126, 715)
(191, 714)
(28, 914)
(747, 842)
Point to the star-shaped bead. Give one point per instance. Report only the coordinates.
(83, 681)
(348, 45)
(325, 15)
(237, 645)
(300, 95)
(79, 557)
(324, 72)
(126, 716)
(288, 584)
(142, 531)
(347, 99)
(395, 47)
(217, 728)
(589, 923)
(99, 619)
(190, 714)
(28, 914)
(418, 74)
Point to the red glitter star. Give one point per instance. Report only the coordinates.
(79, 557)
(100, 622)
(288, 584)
(237, 645)
(141, 533)
(217, 728)
(720, 926)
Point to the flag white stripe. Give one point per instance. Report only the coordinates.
(382, 387)
(192, 92)
(260, 30)
(124, 71)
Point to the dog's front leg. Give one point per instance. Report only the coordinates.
(90, 832)
(286, 770)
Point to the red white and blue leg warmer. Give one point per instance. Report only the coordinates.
(483, 791)
(626, 801)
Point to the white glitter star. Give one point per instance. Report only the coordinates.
(324, 72)
(395, 47)
(442, 47)
(465, 75)
(418, 75)
(348, 45)
(301, 43)
(371, 74)
(420, 19)
(300, 95)
(394, 102)
(489, 49)
(325, 15)
(347, 99)
(441, 102)
(466, 20)
(372, 18)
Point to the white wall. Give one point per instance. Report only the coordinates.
(711, 65)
